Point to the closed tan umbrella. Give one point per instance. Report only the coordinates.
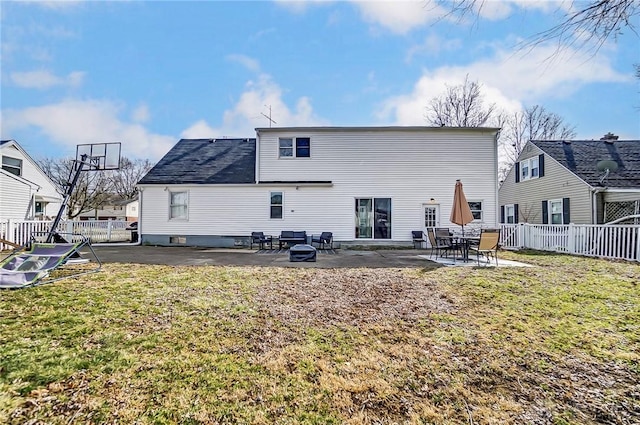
(460, 213)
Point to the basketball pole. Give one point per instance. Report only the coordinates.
(67, 195)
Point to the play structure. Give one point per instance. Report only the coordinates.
(51, 256)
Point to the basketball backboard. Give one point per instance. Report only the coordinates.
(98, 156)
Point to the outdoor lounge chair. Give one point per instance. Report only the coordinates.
(261, 239)
(33, 266)
(488, 245)
(325, 238)
(418, 238)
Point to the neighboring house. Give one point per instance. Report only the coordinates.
(573, 181)
(363, 184)
(115, 209)
(26, 193)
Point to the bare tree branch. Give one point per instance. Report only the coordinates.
(533, 123)
(586, 25)
(460, 106)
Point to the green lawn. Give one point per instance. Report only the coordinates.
(555, 344)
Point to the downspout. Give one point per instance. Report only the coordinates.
(594, 204)
(257, 165)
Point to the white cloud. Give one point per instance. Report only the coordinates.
(509, 80)
(434, 44)
(246, 114)
(246, 61)
(141, 114)
(403, 16)
(399, 16)
(55, 4)
(45, 79)
(300, 6)
(73, 122)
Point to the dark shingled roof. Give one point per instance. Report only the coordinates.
(582, 157)
(206, 161)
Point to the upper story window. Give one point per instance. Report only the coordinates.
(476, 210)
(12, 165)
(294, 147)
(178, 205)
(530, 168)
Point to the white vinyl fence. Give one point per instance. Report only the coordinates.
(598, 240)
(19, 232)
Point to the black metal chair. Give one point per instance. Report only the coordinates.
(418, 238)
(446, 239)
(261, 239)
(325, 238)
(436, 246)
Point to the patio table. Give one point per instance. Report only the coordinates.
(465, 241)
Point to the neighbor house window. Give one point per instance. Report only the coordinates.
(534, 167)
(12, 165)
(373, 218)
(476, 210)
(276, 205)
(39, 208)
(179, 202)
(298, 147)
(530, 168)
(509, 214)
(555, 211)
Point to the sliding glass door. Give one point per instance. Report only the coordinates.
(373, 218)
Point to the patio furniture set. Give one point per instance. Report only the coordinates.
(289, 238)
(443, 242)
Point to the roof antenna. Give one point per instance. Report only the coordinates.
(268, 116)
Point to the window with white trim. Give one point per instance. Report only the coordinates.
(555, 211)
(529, 168)
(476, 210)
(178, 205)
(276, 205)
(12, 165)
(294, 147)
(510, 214)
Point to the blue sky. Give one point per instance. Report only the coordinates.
(147, 73)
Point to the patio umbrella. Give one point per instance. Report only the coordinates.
(460, 213)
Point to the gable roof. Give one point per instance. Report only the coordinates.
(582, 156)
(206, 161)
(6, 144)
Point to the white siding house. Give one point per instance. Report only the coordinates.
(363, 184)
(26, 193)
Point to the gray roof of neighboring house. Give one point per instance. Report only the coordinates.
(206, 161)
(582, 157)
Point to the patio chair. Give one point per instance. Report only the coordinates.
(445, 238)
(418, 238)
(488, 245)
(261, 239)
(325, 238)
(436, 246)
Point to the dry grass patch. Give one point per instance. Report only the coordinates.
(147, 344)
